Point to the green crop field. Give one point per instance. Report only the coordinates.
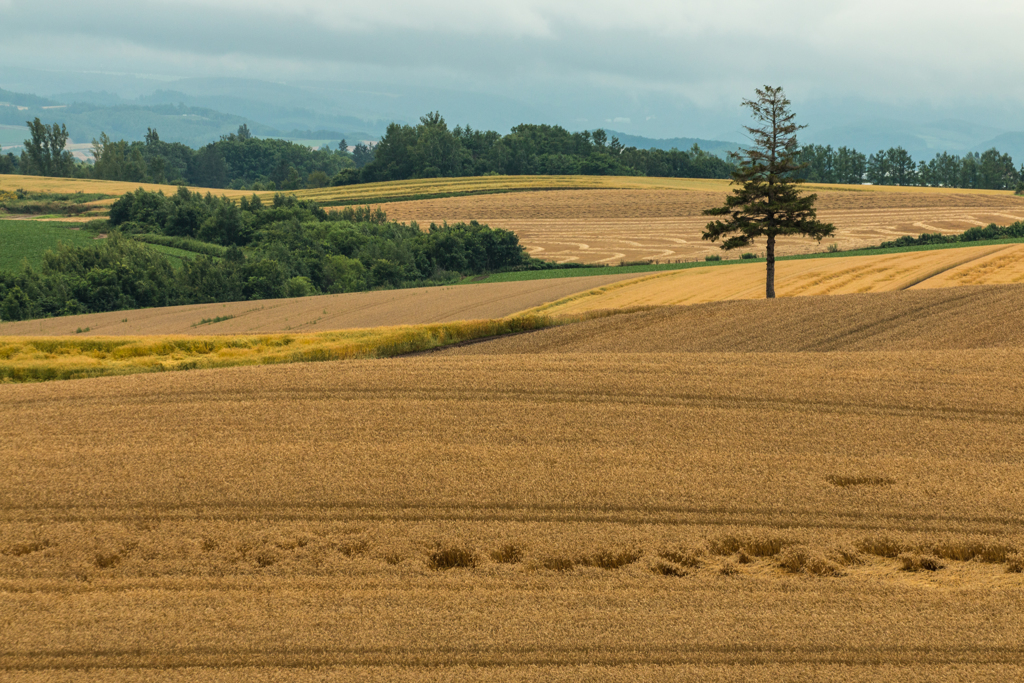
(21, 240)
(29, 240)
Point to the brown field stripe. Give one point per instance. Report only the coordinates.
(491, 512)
(520, 656)
(536, 396)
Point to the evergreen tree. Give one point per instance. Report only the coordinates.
(768, 203)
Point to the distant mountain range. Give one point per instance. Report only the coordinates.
(88, 114)
(717, 147)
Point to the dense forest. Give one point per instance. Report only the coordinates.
(427, 150)
(249, 250)
(431, 150)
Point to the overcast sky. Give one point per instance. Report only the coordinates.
(638, 63)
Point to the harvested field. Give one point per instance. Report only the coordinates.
(407, 190)
(606, 516)
(320, 313)
(89, 186)
(939, 268)
(663, 222)
(983, 317)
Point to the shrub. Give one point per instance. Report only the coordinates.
(747, 256)
(833, 248)
(713, 257)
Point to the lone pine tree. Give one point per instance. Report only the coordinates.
(768, 202)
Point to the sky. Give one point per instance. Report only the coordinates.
(655, 67)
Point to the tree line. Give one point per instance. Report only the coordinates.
(283, 248)
(990, 170)
(238, 161)
(431, 150)
(427, 150)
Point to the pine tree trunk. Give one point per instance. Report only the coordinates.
(769, 286)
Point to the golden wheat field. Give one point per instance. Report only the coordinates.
(415, 306)
(809, 489)
(940, 268)
(90, 186)
(662, 220)
(992, 264)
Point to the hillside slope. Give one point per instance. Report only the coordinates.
(999, 263)
(956, 318)
(320, 313)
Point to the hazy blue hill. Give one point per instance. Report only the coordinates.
(1007, 143)
(190, 125)
(718, 147)
(922, 140)
(13, 100)
(101, 98)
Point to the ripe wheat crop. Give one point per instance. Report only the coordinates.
(641, 508)
(942, 268)
(922, 320)
(422, 305)
(90, 186)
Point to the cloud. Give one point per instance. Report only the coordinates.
(703, 53)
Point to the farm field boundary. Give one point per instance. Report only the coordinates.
(328, 312)
(36, 359)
